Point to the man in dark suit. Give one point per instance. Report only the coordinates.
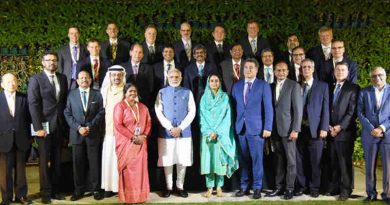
(69, 55)
(252, 99)
(322, 52)
(286, 56)
(114, 49)
(326, 71)
(152, 49)
(15, 140)
(287, 102)
(94, 64)
(253, 43)
(266, 71)
(183, 47)
(315, 125)
(161, 68)
(140, 74)
(342, 132)
(218, 50)
(84, 113)
(232, 68)
(47, 92)
(374, 114)
(295, 72)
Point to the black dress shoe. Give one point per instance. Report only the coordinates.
(243, 192)
(314, 194)
(166, 193)
(276, 192)
(288, 195)
(298, 192)
(257, 194)
(108, 194)
(23, 200)
(183, 193)
(76, 197)
(58, 196)
(369, 199)
(98, 195)
(46, 200)
(343, 197)
(331, 193)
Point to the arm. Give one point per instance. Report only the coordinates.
(268, 108)
(353, 72)
(99, 117)
(205, 127)
(297, 108)
(324, 124)
(118, 122)
(349, 115)
(35, 103)
(72, 122)
(158, 106)
(361, 113)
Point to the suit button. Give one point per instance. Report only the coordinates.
(174, 111)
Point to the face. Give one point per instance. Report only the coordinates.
(131, 94)
(200, 55)
(214, 83)
(307, 70)
(219, 34)
(298, 56)
(112, 31)
(185, 31)
(50, 63)
(267, 58)
(236, 52)
(9, 83)
(83, 80)
(252, 29)
(116, 77)
(337, 49)
(292, 42)
(168, 54)
(74, 35)
(326, 37)
(250, 70)
(341, 73)
(174, 79)
(281, 71)
(150, 35)
(378, 77)
(137, 54)
(93, 48)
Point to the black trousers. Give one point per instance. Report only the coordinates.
(285, 162)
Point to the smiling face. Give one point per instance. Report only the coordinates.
(50, 63)
(214, 83)
(185, 31)
(378, 77)
(93, 48)
(112, 31)
(200, 55)
(338, 49)
(267, 58)
(326, 37)
(168, 54)
(298, 55)
(150, 35)
(9, 83)
(281, 71)
(236, 52)
(341, 72)
(137, 53)
(307, 70)
(84, 80)
(252, 29)
(250, 70)
(116, 77)
(174, 79)
(74, 35)
(219, 33)
(131, 94)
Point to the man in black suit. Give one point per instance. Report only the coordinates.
(253, 43)
(219, 49)
(140, 74)
(161, 68)
(295, 72)
(152, 49)
(266, 71)
(94, 64)
(47, 92)
(342, 134)
(15, 140)
(232, 68)
(322, 52)
(183, 47)
(84, 113)
(114, 49)
(286, 56)
(69, 55)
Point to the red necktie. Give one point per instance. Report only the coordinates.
(237, 69)
(96, 69)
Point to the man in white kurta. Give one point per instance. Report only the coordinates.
(175, 109)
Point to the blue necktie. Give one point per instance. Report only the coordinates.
(268, 75)
(84, 99)
(305, 91)
(247, 91)
(336, 93)
(74, 63)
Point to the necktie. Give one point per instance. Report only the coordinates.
(135, 72)
(53, 83)
(336, 93)
(96, 69)
(113, 51)
(200, 70)
(74, 65)
(219, 48)
(166, 74)
(151, 50)
(305, 92)
(237, 70)
(247, 91)
(268, 75)
(188, 51)
(254, 46)
(84, 100)
(326, 53)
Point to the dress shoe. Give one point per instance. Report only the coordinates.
(208, 193)
(5, 202)
(23, 200)
(58, 196)
(331, 193)
(98, 195)
(183, 193)
(288, 195)
(343, 197)
(166, 193)
(76, 197)
(369, 199)
(108, 194)
(298, 192)
(243, 192)
(46, 200)
(257, 194)
(314, 194)
(276, 192)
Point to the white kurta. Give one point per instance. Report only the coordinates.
(110, 177)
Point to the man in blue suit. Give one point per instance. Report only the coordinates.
(254, 114)
(315, 125)
(374, 114)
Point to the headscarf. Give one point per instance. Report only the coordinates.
(107, 81)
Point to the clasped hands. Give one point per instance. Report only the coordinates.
(138, 139)
(377, 132)
(175, 132)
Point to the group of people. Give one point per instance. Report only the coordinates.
(222, 107)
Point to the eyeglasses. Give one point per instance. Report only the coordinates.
(337, 48)
(378, 75)
(48, 60)
(298, 54)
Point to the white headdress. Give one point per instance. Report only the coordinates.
(107, 81)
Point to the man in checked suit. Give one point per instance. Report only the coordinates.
(287, 101)
(232, 68)
(47, 92)
(374, 114)
(114, 49)
(254, 115)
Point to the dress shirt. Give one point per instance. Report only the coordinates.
(93, 64)
(297, 68)
(10, 97)
(309, 83)
(172, 63)
(135, 71)
(85, 104)
(71, 45)
(112, 41)
(246, 85)
(326, 50)
(279, 86)
(185, 42)
(198, 64)
(271, 77)
(336, 61)
(239, 65)
(379, 98)
(57, 84)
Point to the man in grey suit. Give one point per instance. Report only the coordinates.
(232, 68)
(288, 108)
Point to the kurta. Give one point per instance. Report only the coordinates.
(132, 158)
(109, 159)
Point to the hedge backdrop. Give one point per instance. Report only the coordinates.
(29, 27)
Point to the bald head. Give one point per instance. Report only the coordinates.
(9, 82)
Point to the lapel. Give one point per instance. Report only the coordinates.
(342, 92)
(273, 88)
(46, 83)
(251, 93)
(18, 102)
(385, 96)
(313, 88)
(283, 90)
(4, 104)
(373, 99)
(91, 98)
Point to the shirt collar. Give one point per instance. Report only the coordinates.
(323, 46)
(113, 41)
(250, 80)
(172, 62)
(197, 64)
(220, 42)
(49, 74)
(250, 39)
(149, 44)
(310, 82)
(234, 62)
(8, 94)
(72, 45)
(86, 90)
(185, 42)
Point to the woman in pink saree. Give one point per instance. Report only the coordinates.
(132, 125)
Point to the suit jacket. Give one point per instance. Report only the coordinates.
(371, 117)
(92, 118)
(192, 78)
(122, 51)
(343, 111)
(284, 57)
(43, 104)
(65, 62)
(228, 74)
(248, 53)
(317, 55)
(260, 74)
(257, 114)
(288, 109)
(144, 81)
(292, 74)
(317, 108)
(152, 58)
(326, 71)
(15, 130)
(214, 56)
(159, 78)
(85, 65)
(181, 55)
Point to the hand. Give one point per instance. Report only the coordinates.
(175, 132)
(213, 136)
(293, 135)
(377, 132)
(334, 131)
(323, 134)
(84, 131)
(41, 133)
(138, 139)
(266, 133)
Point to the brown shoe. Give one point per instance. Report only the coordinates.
(208, 193)
(219, 192)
